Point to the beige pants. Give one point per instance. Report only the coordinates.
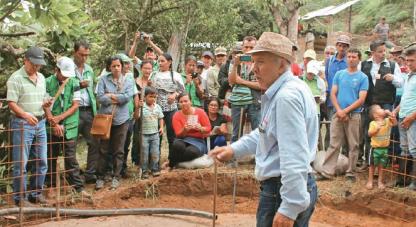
(348, 131)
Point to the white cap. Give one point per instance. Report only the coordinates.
(67, 66)
(310, 54)
(313, 67)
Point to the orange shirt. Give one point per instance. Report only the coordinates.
(179, 120)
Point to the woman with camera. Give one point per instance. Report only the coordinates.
(192, 82)
(169, 86)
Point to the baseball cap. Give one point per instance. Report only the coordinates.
(220, 51)
(199, 64)
(67, 66)
(344, 39)
(208, 54)
(313, 67)
(310, 54)
(35, 55)
(124, 58)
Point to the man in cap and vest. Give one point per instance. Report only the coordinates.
(87, 105)
(26, 93)
(63, 118)
(285, 141)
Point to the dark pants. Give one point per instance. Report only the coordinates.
(85, 122)
(115, 147)
(127, 145)
(68, 149)
(137, 141)
(270, 200)
(253, 112)
(183, 152)
(167, 118)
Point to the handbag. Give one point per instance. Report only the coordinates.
(101, 124)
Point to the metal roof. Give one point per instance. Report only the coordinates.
(329, 10)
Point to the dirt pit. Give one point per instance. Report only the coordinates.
(340, 203)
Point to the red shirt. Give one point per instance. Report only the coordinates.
(179, 120)
(296, 70)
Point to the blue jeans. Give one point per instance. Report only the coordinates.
(35, 135)
(218, 141)
(270, 200)
(253, 112)
(150, 147)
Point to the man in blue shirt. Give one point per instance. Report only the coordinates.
(285, 141)
(348, 94)
(334, 64)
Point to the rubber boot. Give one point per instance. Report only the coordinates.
(412, 185)
(400, 177)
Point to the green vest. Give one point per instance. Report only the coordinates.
(63, 103)
(89, 73)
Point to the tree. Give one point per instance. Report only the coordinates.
(286, 15)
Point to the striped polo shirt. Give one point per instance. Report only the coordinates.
(25, 93)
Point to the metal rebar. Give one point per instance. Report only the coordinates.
(214, 212)
(22, 179)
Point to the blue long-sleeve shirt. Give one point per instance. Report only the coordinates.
(107, 85)
(285, 142)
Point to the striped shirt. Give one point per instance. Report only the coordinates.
(27, 94)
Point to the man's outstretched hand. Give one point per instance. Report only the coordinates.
(222, 154)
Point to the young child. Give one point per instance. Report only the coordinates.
(379, 131)
(152, 128)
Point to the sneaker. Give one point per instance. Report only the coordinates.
(90, 179)
(38, 200)
(412, 186)
(156, 173)
(145, 175)
(99, 184)
(115, 183)
(325, 175)
(25, 203)
(84, 194)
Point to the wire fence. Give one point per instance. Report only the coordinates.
(22, 170)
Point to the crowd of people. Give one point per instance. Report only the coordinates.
(366, 101)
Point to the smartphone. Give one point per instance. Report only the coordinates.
(245, 58)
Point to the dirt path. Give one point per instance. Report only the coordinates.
(340, 204)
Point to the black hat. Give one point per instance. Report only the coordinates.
(35, 55)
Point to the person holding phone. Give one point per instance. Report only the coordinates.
(191, 126)
(245, 95)
(218, 124)
(87, 106)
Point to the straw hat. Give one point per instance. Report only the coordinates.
(274, 43)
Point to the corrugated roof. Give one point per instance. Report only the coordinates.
(329, 10)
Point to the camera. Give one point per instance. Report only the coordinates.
(245, 58)
(194, 75)
(143, 35)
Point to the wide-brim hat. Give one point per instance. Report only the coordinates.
(396, 49)
(274, 43)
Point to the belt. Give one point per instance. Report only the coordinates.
(85, 108)
(277, 179)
